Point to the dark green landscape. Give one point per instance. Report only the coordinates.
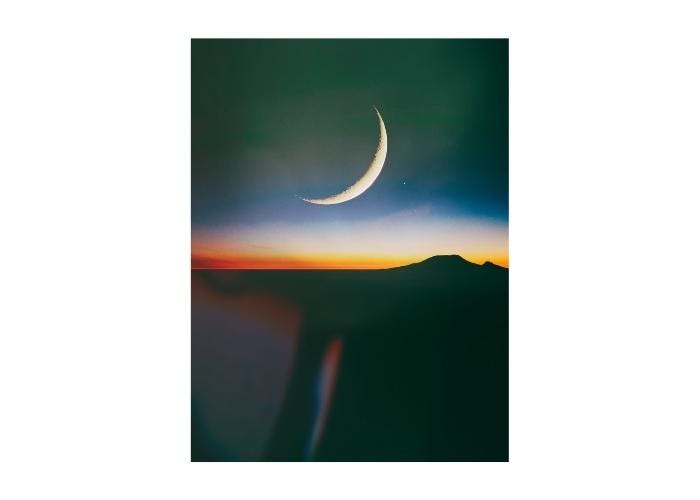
(423, 373)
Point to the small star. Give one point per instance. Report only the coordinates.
(404, 183)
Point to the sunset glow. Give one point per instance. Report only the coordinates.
(390, 241)
(223, 261)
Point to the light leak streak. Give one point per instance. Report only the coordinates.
(324, 392)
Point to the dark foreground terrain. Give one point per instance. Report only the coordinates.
(401, 364)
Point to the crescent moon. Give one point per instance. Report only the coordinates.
(364, 182)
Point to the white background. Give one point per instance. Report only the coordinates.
(94, 212)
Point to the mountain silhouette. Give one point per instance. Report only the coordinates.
(423, 373)
(449, 262)
(440, 261)
(488, 263)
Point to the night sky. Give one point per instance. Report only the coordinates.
(276, 119)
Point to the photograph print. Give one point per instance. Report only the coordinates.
(349, 250)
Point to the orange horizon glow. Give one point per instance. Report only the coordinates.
(394, 240)
(329, 262)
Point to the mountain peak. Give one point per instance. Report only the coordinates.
(490, 264)
(445, 259)
(449, 263)
(454, 262)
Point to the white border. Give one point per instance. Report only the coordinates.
(94, 361)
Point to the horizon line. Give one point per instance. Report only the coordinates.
(308, 267)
